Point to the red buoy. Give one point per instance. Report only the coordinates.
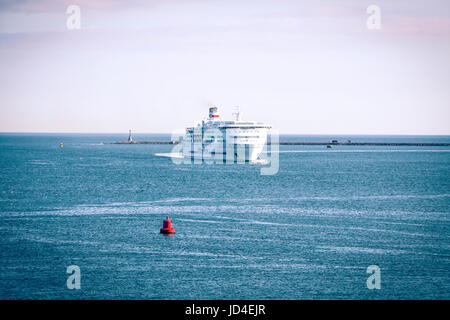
(167, 227)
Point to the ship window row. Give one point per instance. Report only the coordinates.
(245, 137)
(235, 137)
(221, 138)
(246, 128)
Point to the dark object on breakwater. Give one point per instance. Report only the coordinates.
(395, 144)
(399, 144)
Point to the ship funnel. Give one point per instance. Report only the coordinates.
(213, 113)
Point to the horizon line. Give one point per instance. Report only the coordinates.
(166, 133)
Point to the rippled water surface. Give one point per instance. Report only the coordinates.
(308, 232)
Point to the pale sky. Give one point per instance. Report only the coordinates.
(154, 66)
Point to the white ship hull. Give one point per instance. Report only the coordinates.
(236, 152)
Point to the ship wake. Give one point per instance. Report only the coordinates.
(177, 155)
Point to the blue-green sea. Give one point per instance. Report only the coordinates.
(308, 232)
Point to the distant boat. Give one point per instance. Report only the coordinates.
(329, 146)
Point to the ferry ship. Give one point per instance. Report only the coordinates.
(227, 141)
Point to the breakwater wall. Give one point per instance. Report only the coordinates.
(396, 144)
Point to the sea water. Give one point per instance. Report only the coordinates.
(308, 232)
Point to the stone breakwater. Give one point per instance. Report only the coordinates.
(398, 144)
